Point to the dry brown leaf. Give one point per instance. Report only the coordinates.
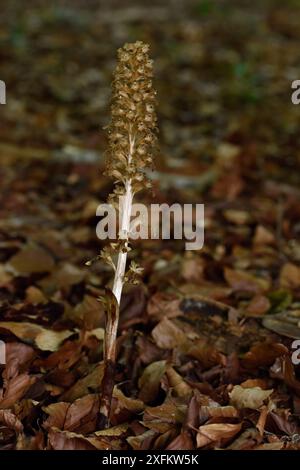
(263, 354)
(142, 441)
(130, 404)
(216, 433)
(246, 441)
(114, 431)
(245, 282)
(182, 442)
(89, 383)
(66, 440)
(43, 338)
(67, 355)
(78, 416)
(31, 258)
(35, 296)
(149, 382)
(205, 353)
(167, 335)
(270, 446)
(263, 236)
(220, 411)
(258, 306)
(237, 217)
(284, 324)
(63, 277)
(161, 417)
(57, 415)
(179, 387)
(250, 383)
(15, 390)
(163, 305)
(252, 398)
(89, 313)
(290, 276)
(193, 269)
(8, 419)
(17, 355)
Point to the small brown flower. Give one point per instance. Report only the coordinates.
(133, 127)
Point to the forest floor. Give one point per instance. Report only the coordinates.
(205, 341)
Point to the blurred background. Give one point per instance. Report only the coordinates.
(223, 74)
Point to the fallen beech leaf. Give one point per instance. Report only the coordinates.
(67, 355)
(258, 306)
(182, 442)
(193, 269)
(290, 276)
(263, 236)
(35, 296)
(237, 217)
(149, 382)
(48, 340)
(179, 387)
(263, 354)
(162, 305)
(57, 415)
(191, 420)
(89, 383)
(143, 441)
(281, 324)
(245, 282)
(220, 411)
(113, 431)
(89, 313)
(270, 446)
(170, 413)
(11, 431)
(246, 441)
(31, 259)
(161, 441)
(16, 389)
(167, 335)
(217, 433)
(147, 350)
(17, 355)
(79, 416)
(130, 404)
(66, 440)
(282, 420)
(8, 419)
(205, 353)
(252, 398)
(99, 333)
(42, 338)
(250, 383)
(63, 277)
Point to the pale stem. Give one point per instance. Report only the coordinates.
(125, 227)
(126, 208)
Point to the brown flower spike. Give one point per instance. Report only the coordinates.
(132, 139)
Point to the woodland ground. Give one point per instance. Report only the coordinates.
(204, 347)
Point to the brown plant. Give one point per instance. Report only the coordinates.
(132, 139)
